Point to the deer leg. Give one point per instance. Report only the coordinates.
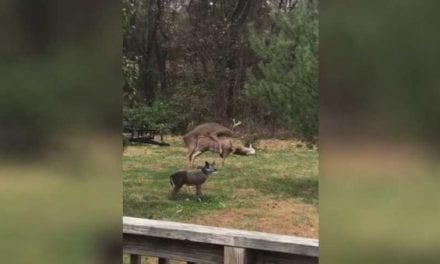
(224, 156)
(197, 142)
(189, 157)
(214, 137)
(194, 156)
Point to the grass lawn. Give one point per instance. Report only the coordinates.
(275, 191)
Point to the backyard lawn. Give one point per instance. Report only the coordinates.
(275, 191)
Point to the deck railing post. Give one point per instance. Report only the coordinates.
(235, 255)
(135, 259)
(163, 261)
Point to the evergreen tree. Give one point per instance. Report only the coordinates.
(287, 80)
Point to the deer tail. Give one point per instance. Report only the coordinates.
(186, 140)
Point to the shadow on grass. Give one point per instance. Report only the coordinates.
(183, 206)
(191, 197)
(146, 207)
(303, 188)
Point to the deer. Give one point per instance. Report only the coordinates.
(207, 144)
(211, 130)
(191, 177)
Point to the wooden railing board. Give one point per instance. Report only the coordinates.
(221, 236)
(173, 249)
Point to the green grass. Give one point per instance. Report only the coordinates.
(271, 174)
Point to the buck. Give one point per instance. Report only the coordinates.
(207, 144)
(210, 130)
(191, 177)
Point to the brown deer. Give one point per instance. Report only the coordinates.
(210, 130)
(207, 144)
(191, 177)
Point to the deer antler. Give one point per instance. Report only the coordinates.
(236, 123)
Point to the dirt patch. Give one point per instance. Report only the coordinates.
(278, 144)
(138, 151)
(274, 144)
(245, 194)
(290, 217)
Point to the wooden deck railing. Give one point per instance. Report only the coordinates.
(205, 244)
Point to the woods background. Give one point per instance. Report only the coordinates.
(190, 61)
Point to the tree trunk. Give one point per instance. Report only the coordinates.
(148, 79)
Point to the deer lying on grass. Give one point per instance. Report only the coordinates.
(207, 144)
(210, 130)
(191, 177)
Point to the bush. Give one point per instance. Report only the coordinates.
(159, 116)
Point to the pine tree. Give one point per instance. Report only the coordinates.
(287, 79)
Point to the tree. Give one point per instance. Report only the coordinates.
(287, 78)
(195, 56)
